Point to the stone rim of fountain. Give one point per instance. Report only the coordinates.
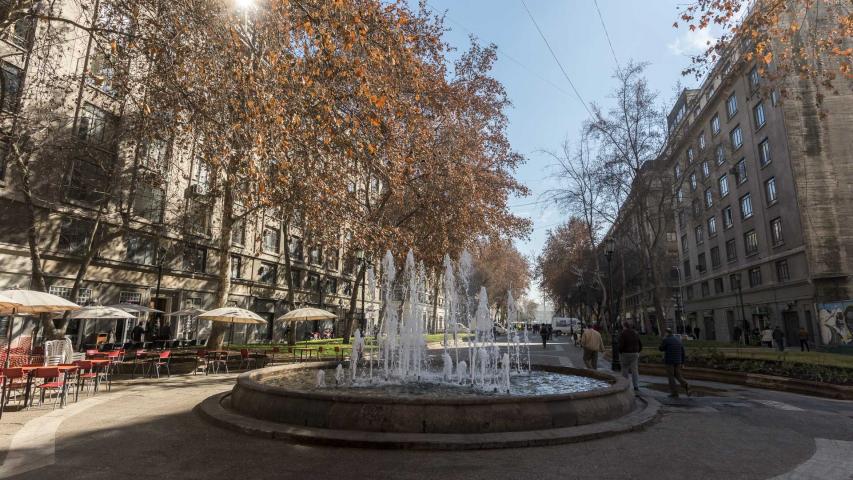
(252, 379)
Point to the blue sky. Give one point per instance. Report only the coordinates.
(545, 112)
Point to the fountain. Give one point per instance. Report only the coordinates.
(472, 387)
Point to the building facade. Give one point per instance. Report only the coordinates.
(763, 196)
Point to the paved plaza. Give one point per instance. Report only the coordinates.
(148, 429)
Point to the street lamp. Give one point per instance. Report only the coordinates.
(736, 278)
(359, 255)
(615, 364)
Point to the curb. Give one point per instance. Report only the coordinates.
(768, 382)
(214, 409)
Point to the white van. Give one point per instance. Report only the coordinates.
(564, 325)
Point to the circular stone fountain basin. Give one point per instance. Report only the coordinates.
(283, 394)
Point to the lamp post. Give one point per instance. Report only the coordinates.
(359, 255)
(615, 364)
(736, 278)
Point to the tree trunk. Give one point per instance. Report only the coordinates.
(353, 301)
(435, 290)
(288, 269)
(223, 274)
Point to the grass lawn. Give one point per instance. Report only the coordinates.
(755, 353)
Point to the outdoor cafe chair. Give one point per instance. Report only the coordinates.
(50, 382)
(87, 377)
(13, 380)
(139, 357)
(246, 358)
(162, 361)
(201, 363)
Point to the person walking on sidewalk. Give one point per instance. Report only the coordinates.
(630, 347)
(673, 358)
(779, 338)
(804, 339)
(592, 344)
(544, 333)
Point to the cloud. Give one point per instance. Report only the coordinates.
(691, 43)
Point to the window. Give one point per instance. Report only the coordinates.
(699, 233)
(731, 250)
(692, 181)
(83, 294)
(712, 227)
(238, 232)
(13, 78)
(20, 34)
(267, 273)
(296, 278)
(724, 185)
(721, 154)
(740, 170)
(700, 263)
(313, 282)
(315, 255)
(750, 242)
(776, 232)
(754, 78)
(332, 259)
(718, 285)
(774, 98)
(728, 219)
(736, 136)
(687, 271)
(684, 245)
(195, 259)
(764, 153)
(782, 272)
(677, 171)
(715, 124)
(697, 208)
(236, 267)
(271, 239)
(770, 190)
(153, 156)
(731, 105)
(706, 289)
(140, 249)
(74, 235)
(198, 216)
(682, 219)
(745, 206)
(330, 286)
(709, 198)
(706, 169)
(690, 155)
(679, 196)
(758, 115)
(755, 277)
(295, 246)
(148, 203)
(96, 126)
(101, 72)
(134, 298)
(201, 177)
(715, 257)
(688, 292)
(701, 141)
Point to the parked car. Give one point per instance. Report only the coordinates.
(564, 325)
(499, 330)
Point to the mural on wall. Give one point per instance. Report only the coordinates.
(836, 322)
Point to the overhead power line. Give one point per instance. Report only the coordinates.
(554, 55)
(607, 35)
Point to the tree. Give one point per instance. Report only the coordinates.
(501, 268)
(807, 39)
(565, 262)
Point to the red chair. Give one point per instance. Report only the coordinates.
(13, 380)
(201, 363)
(91, 353)
(273, 352)
(87, 375)
(162, 361)
(50, 383)
(246, 358)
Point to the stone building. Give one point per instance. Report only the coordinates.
(762, 205)
(166, 258)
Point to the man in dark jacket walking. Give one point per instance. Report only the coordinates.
(630, 347)
(673, 358)
(779, 338)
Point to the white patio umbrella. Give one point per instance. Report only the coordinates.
(99, 312)
(30, 301)
(233, 315)
(192, 313)
(7, 303)
(131, 307)
(306, 314)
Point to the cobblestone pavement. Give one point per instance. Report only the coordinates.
(148, 429)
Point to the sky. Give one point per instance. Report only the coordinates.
(545, 110)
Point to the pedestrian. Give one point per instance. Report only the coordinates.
(767, 338)
(166, 331)
(630, 347)
(137, 332)
(779, 338)
(592, 345)
(673, 358)
(696, 332)
(543, 332)
(737, 333)
(804, 339)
